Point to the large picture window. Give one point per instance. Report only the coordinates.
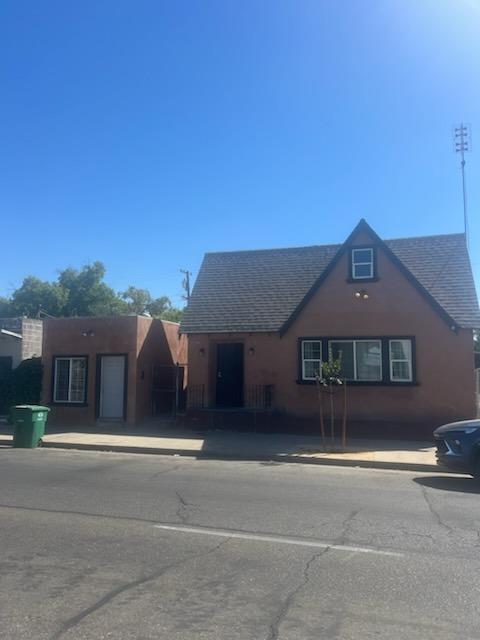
(70, 379)
(364, 360)
(361, 359)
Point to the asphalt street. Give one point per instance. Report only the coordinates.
(99, 545)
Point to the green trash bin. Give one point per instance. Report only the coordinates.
(29, 424)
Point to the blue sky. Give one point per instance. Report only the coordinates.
(145, 133)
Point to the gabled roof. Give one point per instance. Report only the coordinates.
(263, 290)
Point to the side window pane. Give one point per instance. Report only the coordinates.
(369, 360)
(62, 375)
(344, 351)
(401, 360)
(77, 385)
(311, 359)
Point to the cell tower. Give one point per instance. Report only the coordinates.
(462, 139)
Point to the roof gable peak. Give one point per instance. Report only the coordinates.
(364, 227)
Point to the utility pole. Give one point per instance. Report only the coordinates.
(462, 140)
(186, 283)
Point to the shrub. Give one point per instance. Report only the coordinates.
(22, 385)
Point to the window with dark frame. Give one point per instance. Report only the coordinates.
(70, 379)
(362, 263)
(400, 360)
(311, 359)
(386, 360)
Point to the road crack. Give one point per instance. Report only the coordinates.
(290, 599)
(183, 507)
(108, 597)
(346, 526)
(160, 473)
(434, 512)
(406, 532)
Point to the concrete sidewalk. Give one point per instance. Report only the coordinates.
(230, 445)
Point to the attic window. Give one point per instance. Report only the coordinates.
(363, 263)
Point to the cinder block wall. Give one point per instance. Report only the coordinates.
(32, 332)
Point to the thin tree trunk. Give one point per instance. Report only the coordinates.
(332, 417)
(344, 425)
(320, 407)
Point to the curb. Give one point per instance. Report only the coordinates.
(119, 448)
(280, 458)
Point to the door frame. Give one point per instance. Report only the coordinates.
(218, 344)
(98, 377)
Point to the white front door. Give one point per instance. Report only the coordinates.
(112, 386)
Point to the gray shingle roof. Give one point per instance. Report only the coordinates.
(259, 290)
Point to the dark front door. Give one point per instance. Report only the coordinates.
(229, 375)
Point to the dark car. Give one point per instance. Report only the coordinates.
(458, 446)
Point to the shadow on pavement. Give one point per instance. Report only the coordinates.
(463, 484)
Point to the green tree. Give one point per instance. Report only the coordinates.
(140, 301)
(5, 308)
(87, 294)
(159, 306)
(83, 292)
(35, 295)
(137, 300)
(173, 314)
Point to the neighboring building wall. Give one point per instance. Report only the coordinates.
(29, 346)
(444, 359)
(11, 324)
(11, 347)
(32, 336)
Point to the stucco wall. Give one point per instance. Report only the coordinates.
(158, 343)
(145, 341)
(444, 359)
(65, 336)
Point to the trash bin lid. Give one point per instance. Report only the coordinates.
(31, 407)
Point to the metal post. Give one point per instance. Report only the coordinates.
(465, 222)
(462, 142)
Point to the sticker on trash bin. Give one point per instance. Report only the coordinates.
(39, 416)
